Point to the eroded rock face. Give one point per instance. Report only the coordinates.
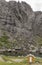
(16, 18)
(38, 24)
(19, 21)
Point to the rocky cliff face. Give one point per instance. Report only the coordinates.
(19, 22)
(38, 23)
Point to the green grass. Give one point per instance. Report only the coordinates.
(38, 61)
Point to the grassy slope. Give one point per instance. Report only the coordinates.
(24, 62)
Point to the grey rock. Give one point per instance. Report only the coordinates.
(19, 21)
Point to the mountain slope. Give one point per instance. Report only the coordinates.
(20, 24)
